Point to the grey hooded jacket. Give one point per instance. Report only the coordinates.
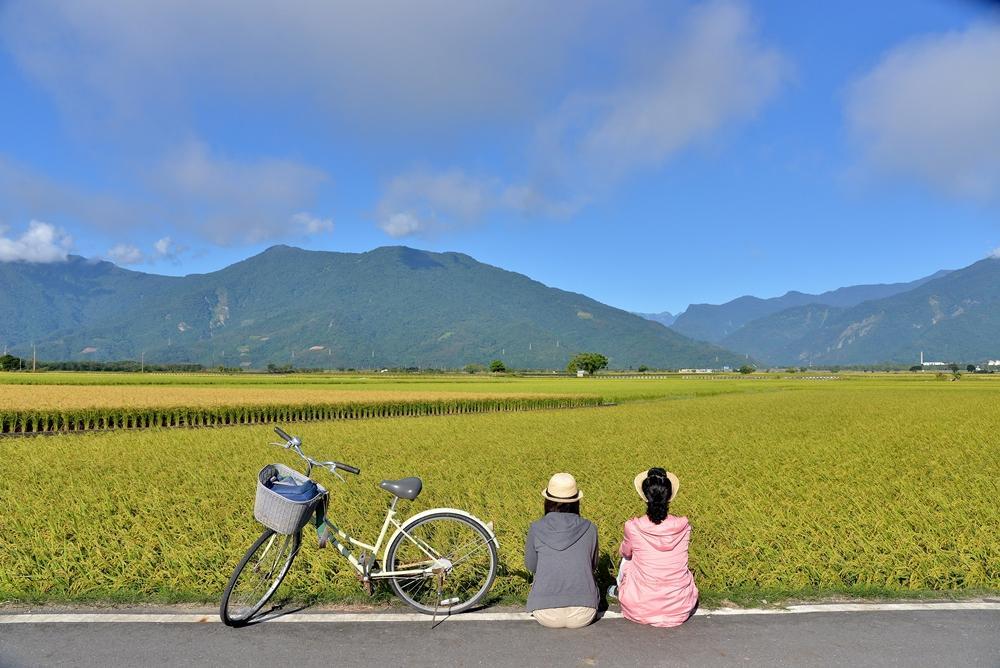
(561, 551)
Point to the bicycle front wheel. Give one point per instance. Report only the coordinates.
(462, 554)
(257, 576)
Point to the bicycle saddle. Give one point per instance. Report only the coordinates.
(404, 488)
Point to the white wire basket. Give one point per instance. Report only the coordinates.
(276, 512)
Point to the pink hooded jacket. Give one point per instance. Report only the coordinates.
(656, 586)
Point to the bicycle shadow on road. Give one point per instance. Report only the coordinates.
(279, 609)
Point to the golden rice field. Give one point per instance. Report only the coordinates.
(867, 486)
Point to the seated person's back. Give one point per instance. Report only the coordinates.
(655, 585)
(561, 550)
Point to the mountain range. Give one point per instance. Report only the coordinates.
(950, 316)
(714, 322)
(389, 307)
(665, 318)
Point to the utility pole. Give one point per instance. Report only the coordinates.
(33, 358)
(142, 362)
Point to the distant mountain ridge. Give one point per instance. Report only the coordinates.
(665, 318)
(952, 318)
(392, 306)
(715, 322)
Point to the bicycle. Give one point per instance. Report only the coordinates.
(442, 558)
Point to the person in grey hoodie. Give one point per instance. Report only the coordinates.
(561, 552)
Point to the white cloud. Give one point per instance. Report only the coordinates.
(163, 246)
(166, 248)
(713, 73)
(40, 243)
(930, 110)
(709, 72)
(424, 202)
(230, 202)
(125, 254)
(225, 201)
(405, 60)
(310, 224)
(401, 224)
(995, 254)
(382, 68)
(163, 249)
(25, 193)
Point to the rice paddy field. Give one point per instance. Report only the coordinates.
(868, 485)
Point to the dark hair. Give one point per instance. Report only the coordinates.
(656, 488)
(557, 507)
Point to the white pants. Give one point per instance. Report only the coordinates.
(572, 617)
(625, 564)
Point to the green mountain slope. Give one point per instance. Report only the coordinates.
(392, 306)
(778, 338)
(715, 322)
(955, 317)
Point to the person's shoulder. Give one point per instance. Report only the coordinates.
(681, 521)
(633, 523)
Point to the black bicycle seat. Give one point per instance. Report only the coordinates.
(404, 488)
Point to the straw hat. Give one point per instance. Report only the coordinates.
(562, 489)
(675, 484)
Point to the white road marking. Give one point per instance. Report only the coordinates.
(351, 618)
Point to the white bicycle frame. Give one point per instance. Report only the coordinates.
(343, 541)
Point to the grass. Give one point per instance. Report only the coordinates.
(870, 486)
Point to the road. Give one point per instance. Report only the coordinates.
(870, 638)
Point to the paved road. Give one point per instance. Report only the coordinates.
(913, 638)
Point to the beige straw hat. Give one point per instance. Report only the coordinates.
(562, 489)
(675, 484)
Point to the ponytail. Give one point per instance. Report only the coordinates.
(657, 489)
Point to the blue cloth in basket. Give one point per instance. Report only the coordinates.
(294, 491)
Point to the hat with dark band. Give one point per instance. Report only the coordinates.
(562, 489)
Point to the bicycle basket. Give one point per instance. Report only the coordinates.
(278, 512)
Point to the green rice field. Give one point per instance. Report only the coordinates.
(867, 485)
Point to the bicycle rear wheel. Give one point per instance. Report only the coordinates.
(257, 576)
(462, 548)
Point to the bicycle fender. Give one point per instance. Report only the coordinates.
(433, 511)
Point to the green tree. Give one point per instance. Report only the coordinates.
(953, 367)
(746, 369)
(497, 366)
(589, 362)
(971, 368)
(643, 368)
(10, 363)
(473, 368)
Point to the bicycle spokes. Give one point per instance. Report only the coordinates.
(461, 571)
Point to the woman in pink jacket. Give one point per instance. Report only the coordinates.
(654, 584)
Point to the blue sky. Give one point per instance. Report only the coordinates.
(649, 155)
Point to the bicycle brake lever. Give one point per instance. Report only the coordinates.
(333, 470)
(283, 446)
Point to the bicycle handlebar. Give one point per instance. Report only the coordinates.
(295, 444)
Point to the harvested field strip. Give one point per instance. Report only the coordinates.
(101, 419)
(65, 397)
